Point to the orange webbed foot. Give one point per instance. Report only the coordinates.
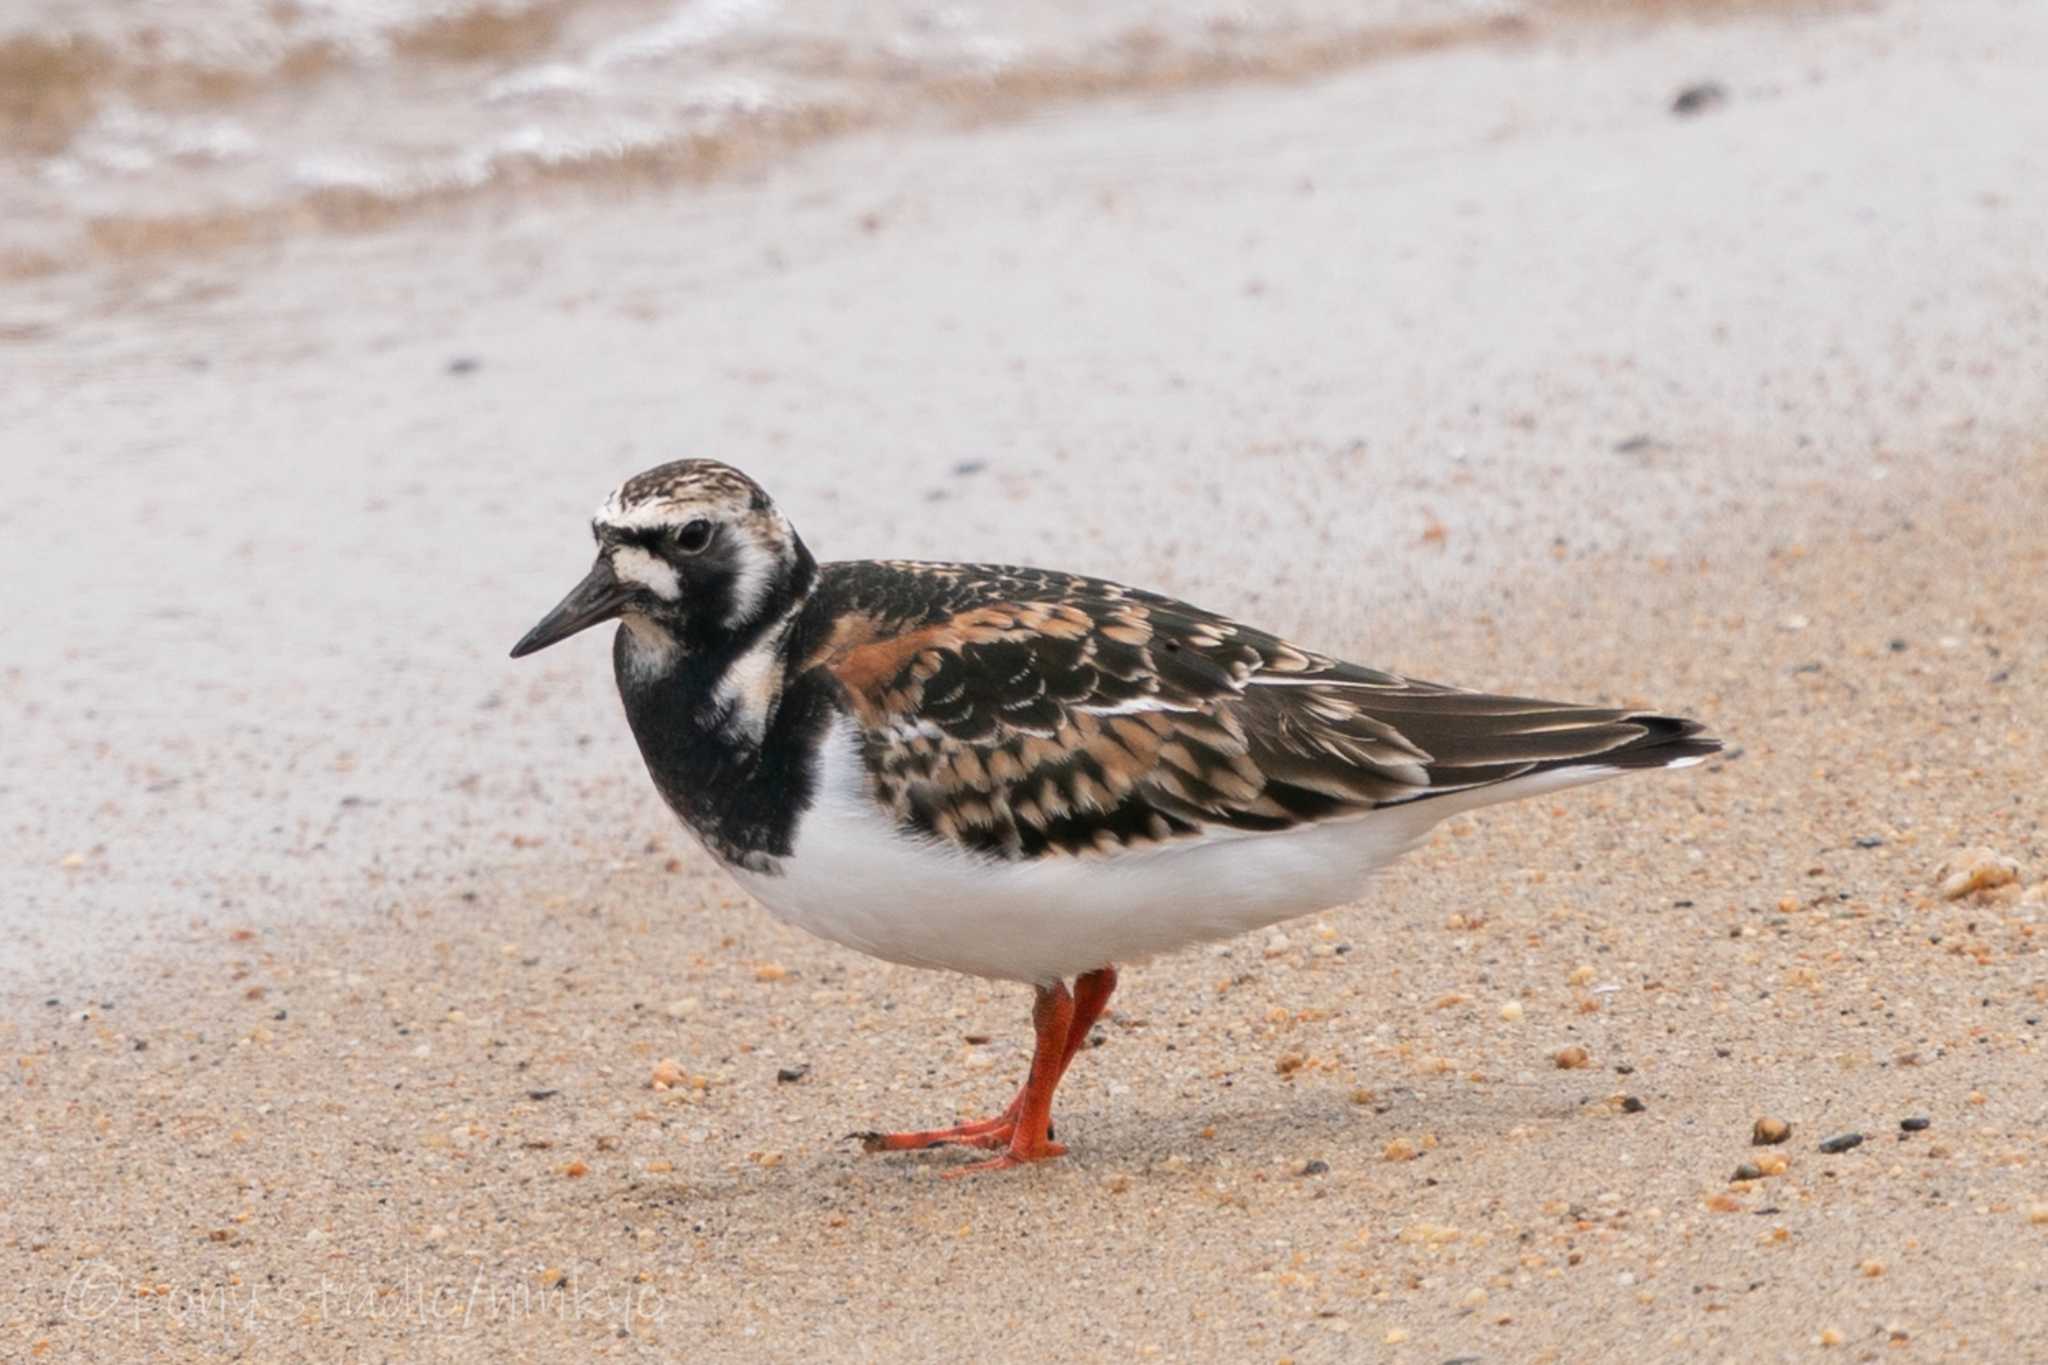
(1017, 1155)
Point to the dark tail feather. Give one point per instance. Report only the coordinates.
(1667, 740)
(1645, 742)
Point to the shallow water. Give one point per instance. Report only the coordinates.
(189, 122)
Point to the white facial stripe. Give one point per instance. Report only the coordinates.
(752, 565)
(635, 565)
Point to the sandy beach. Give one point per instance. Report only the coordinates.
(341, 953)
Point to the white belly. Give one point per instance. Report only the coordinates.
(854, 879)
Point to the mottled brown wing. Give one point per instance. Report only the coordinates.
(1090, 717)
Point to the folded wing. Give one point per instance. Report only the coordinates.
(1017, 712)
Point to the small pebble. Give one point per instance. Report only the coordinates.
(1916, 1124)
(1315, 1168)
(1841, 1142)
(667, 1074)
(1974, 869)
(790, 1075)
(1768, 1132)
(1748, 1170)
(1571, 1058)
(1698, 99)
(1631, 1105)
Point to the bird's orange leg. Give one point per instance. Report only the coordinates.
(1091, 993)
(1030, 1135)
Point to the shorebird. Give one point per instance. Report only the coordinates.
(1027, 775)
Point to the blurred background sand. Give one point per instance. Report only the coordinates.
(1678, 354)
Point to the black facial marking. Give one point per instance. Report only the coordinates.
(740, 797)
(739, 792)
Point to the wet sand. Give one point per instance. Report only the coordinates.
(363, 943)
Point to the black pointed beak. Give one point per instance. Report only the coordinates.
(596, 599)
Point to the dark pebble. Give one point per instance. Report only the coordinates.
(542, 1094)
(463, 364)
(1916, 1124)
(1841, 1142)
(1748, 1170)
(142, 1044)
(1631, 1105)
(1697, 99)
(967, 467)
(53, 1001)
(1870, 841)
(789, 1075)
(1316, 1168)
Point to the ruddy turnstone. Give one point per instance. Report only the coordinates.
(1027, 775)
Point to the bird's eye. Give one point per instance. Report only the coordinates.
(694, 538)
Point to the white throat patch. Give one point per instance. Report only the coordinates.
(650, 650)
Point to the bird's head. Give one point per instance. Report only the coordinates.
(688, 555)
